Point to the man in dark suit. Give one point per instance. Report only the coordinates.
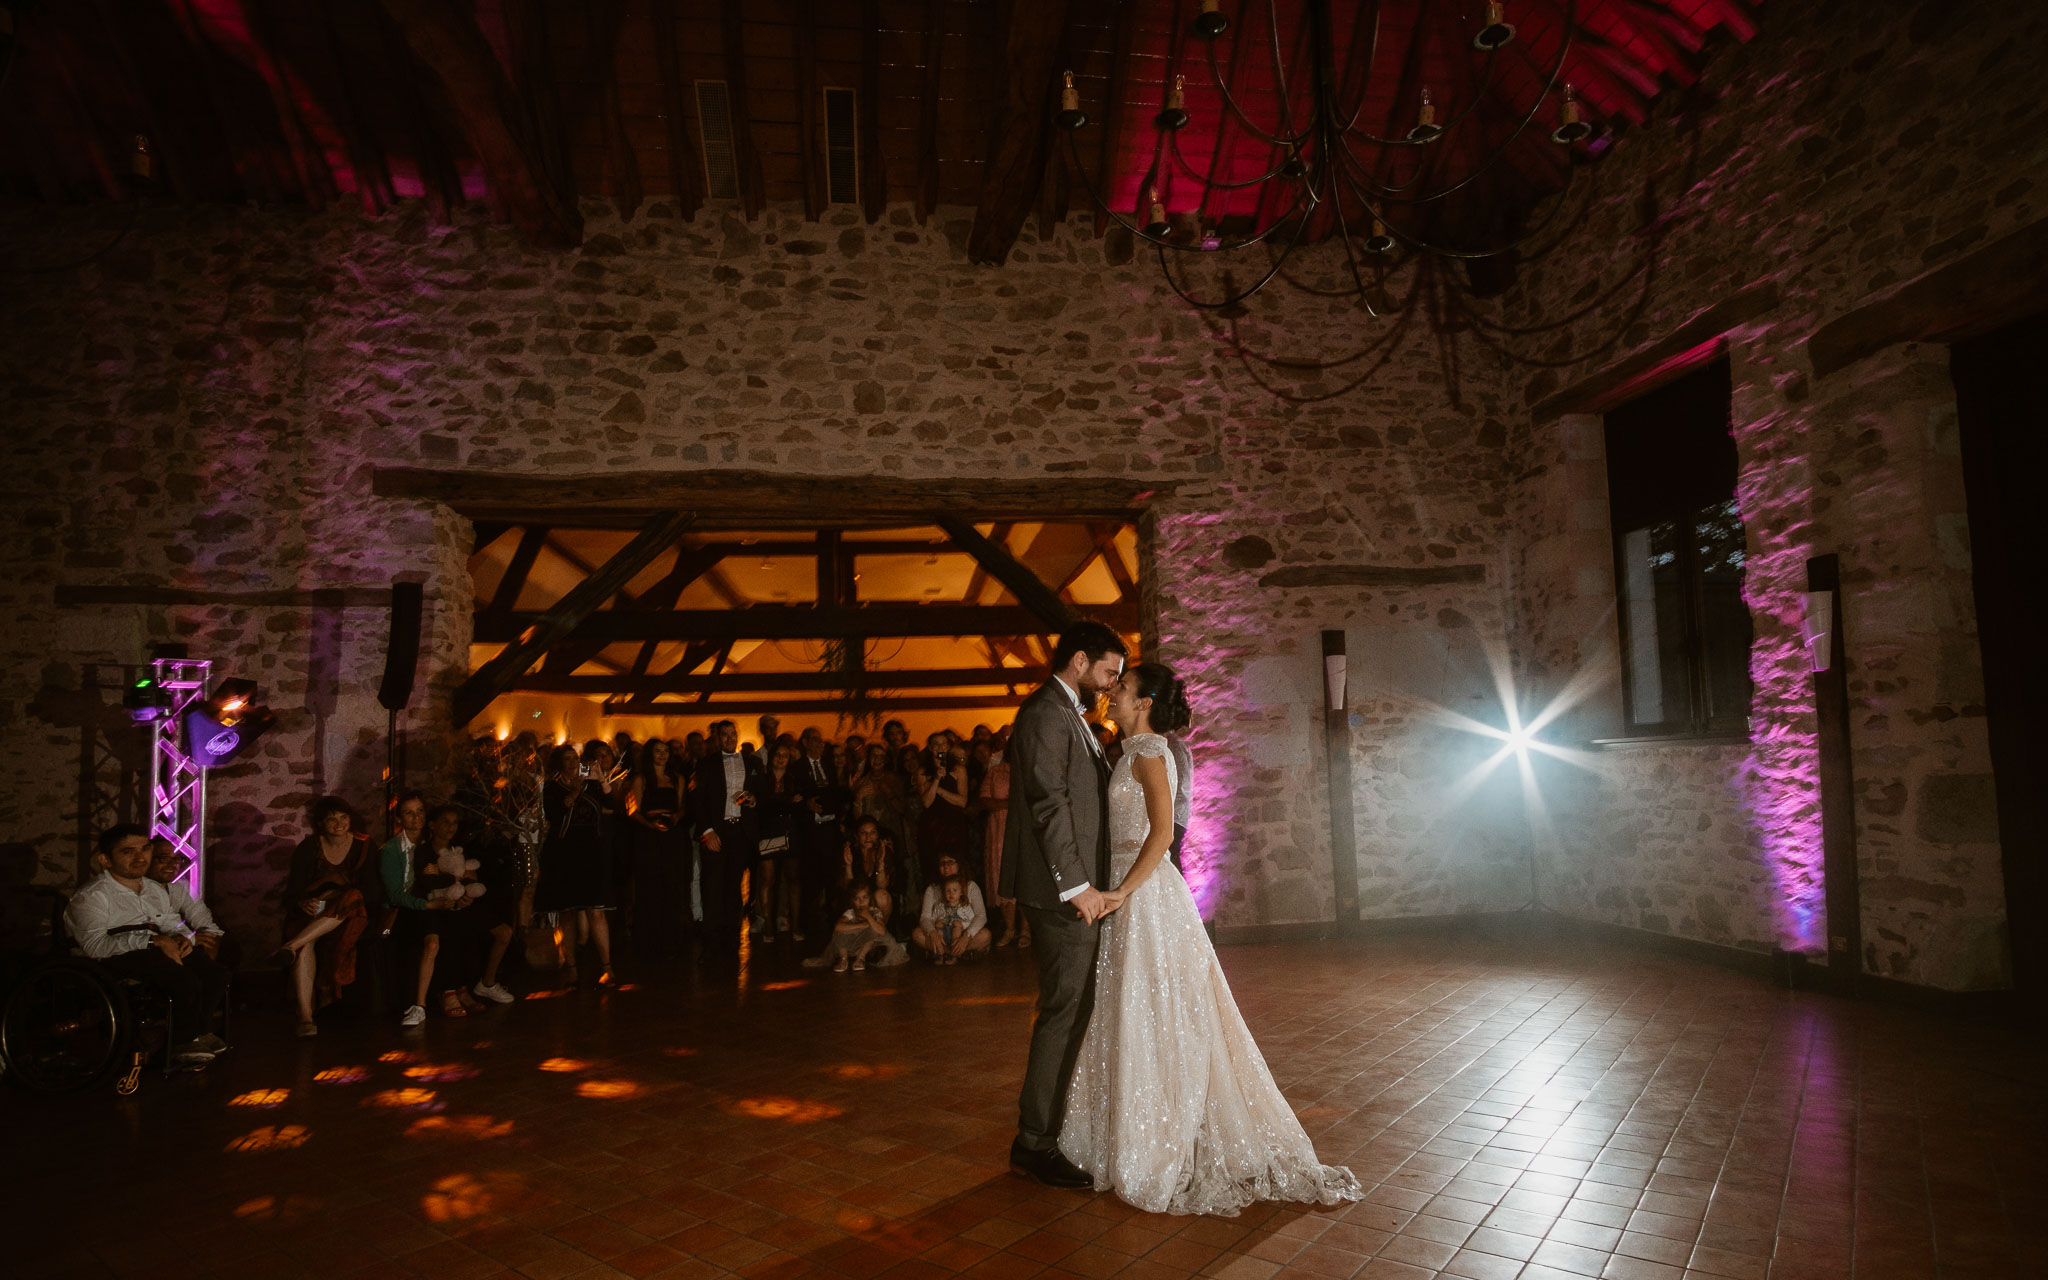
(1055, 863)
(723, 808)
(821, 827)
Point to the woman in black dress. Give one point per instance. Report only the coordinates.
(661, 851)
(778, 894)
(576, 857)
(942, 828)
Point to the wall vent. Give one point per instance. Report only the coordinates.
(842, 148)
(714, 123)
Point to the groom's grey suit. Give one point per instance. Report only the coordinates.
(1056, 842)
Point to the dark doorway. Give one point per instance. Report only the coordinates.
(2005, 454)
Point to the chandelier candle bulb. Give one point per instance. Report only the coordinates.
(1494, 36)
(1175, 115)
(1209, 23)
(1570, 128)
(1158, 225)
(1379, 241)
(1071, 116)
(1426, 128)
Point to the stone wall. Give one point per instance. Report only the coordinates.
(1849, 149)
(202, 408)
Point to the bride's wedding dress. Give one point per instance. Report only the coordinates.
(1171, 1105)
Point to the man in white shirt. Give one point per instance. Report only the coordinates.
(926, 936)
(128, 923)
(166, 865)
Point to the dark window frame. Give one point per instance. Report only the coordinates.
(1672, 463)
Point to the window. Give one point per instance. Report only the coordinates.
(1678, 560)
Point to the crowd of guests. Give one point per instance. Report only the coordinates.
(860, 853)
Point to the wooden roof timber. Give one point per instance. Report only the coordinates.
(801, 622)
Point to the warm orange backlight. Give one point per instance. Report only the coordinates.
(456, 1197)
(343, 1075)
(400, 1099)
(440, 1072)
(564, 1064)
(865, 1071)
(791, 985)
(260, 1098)
(609, 1089)
(281, 1137)
(474, 1128)
(789, 1110)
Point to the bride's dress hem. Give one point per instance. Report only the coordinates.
(1171, 1105)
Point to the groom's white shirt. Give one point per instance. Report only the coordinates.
(1081, 716)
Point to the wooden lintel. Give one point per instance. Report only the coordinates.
(1021, 132)
(2006, 280)
(804, 622)
(757, 499)
(68, 594)
(1372, 575)
(1593, 394)
(533, 639)
(1028, 587)
(776, 681)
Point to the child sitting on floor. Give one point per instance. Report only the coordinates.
(857, 933)
(952, 920)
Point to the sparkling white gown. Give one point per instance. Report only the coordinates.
(1171, 1105)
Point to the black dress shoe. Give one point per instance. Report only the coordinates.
(1049, 1167)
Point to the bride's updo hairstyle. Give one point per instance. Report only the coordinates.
(1155, 680)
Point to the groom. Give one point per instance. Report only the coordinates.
(1055, 858)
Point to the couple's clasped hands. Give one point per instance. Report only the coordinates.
(1094, 904)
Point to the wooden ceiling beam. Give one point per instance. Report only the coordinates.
(440, 185)
(534, 639)
(539, 93)
(1021, 131)
(732, 29)
(804, 622)
(1106, 150)
(1028, 587)
(506, 597)
(445, 38)
(874, 169)
(805, 41)
(366, 161)
(928, 112)
(168, 144)
(316, 180)
(686, 170)
(604, 20)
(251, 170)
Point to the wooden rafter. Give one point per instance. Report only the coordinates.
(531, 540)
(928, 112)
(605, 19)
(1021, 130)
(1030, 590)
(316, 180)
(686, 170)
(978, 581)
(533, 640)
(803, 706)
(445, 38)
(365, 159)
(808, 143)
(691, 564)
(732, 29)
(874, 170)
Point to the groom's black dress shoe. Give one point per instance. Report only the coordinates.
(1049, 1167)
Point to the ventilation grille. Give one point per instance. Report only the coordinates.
(842, 150)
(714, 121)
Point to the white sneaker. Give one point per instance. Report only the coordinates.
(413, 1016)
(495, 993)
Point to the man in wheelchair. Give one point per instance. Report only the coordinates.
(127, 922)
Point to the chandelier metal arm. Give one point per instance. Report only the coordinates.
(1467, 255)
(1209, 183)
(1245, 357)
(1088, 184)
(1230, 103)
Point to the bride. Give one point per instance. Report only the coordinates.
(1171, 1105)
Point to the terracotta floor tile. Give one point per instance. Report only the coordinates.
(1599, 1111)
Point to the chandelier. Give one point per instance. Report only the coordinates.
(1391, 173)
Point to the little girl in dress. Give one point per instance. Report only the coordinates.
(856, 935)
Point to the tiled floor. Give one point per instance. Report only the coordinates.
(1526, 1109)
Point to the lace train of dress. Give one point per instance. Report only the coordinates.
(1171, 1105)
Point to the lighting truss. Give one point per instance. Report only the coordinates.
(177, 785)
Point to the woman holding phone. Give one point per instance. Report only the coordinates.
(576, 853)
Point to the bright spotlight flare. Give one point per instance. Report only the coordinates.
(1518, 739)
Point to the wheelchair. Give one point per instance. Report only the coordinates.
(67, 1023)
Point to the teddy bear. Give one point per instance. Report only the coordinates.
(451, 877)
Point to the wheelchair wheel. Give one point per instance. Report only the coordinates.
(64, 1027)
